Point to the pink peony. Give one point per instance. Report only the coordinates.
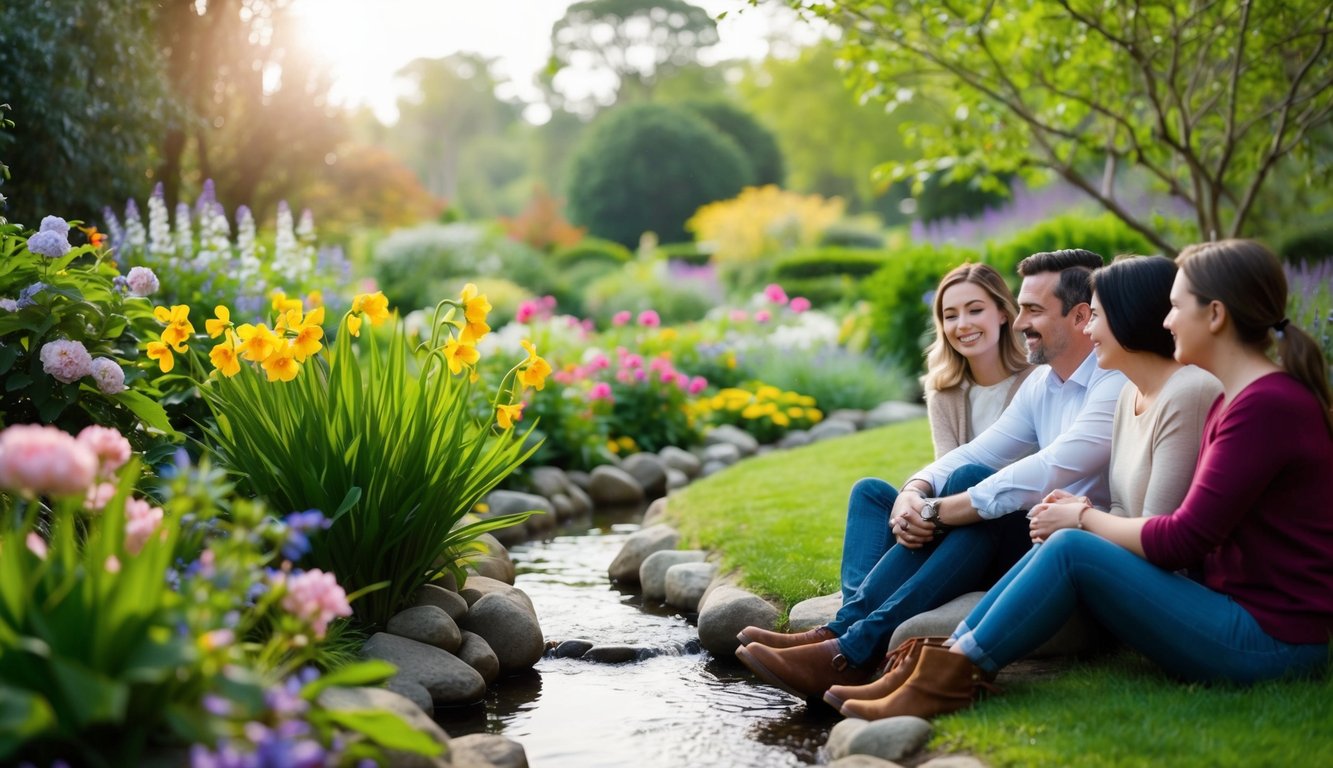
(774, 293)
(620, 318)
(111, 449)
(600, 391)
(697, 385)
(44, 460)
(68, 361)
(526, 311)
(800, 304)
(599, 362)
(763, 316)
(649, 319)
(142, 281)
(141, 520)
(315, 597)
(632, 361)
(109, 376)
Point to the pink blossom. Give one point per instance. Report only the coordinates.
(774, 293)
(739, 316)
(111, 449)
(315, 597)
(36, 545)
(44, 460)
(526, 311)
(620, 318)
(632, 361)
(112, 564)
(600, 391)
(98, 496)
(763, 316)
(697, 385)
(682, 381)
(799, 304)
(667, 376)
(142, 281)
(588, 325)
(659, 363)
(599, 362)
(548, 302)
(66, 360)
(640, 374)
(564, 377)
(624, 376)
(649, 319)
(141, 520)
(110, 377)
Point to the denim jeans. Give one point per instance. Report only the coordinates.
(885, 583)
(1181, 625)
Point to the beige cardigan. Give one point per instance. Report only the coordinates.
(951, 417)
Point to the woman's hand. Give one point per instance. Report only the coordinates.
(905, 522)
(1047, 518)
(1060, 494)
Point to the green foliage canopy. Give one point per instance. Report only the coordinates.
(756, 141)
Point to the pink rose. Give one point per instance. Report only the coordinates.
(799, 304)
(526, 311)
(697, 385)
(763, 316)
(774, 293)
(67, 361)
(600, 391)
(110, 377)
(44, 460)
(649, 319)
(620, 318)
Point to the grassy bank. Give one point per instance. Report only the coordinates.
(779, 520)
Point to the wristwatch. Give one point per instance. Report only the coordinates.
(930, 512)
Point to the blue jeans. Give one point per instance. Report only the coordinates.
(1181, 625)
(884, 583)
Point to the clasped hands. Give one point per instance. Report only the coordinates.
(906, 524)
(1060, 509)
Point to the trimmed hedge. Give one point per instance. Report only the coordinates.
(828, 261)
(690, 253)
(1313, 246)
(592, 249)
(1104, 235)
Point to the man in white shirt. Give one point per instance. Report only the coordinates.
(1055, 434)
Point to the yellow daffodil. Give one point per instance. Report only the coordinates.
(162, 354)
(176, 335)
(222, 322)
(179, 313)
(283, 304)
(282, 365)
(257, 342)
(374, 305)
(354, 324)
(506, 415)
(459, 355)
(473, 332)
(224, 358)
(306, 342)
(534, 370)
(315, 298)
(475, 309)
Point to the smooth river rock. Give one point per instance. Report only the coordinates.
(612, 486)
(486, 750)
(727, 610)
(640, 544)
(476, 653)
(681, 460)
(509, 627)
(686, 584)
(447, 679)
(426, 624)
(653, 570)
(357, 699)
(451, 602)
(649, 471)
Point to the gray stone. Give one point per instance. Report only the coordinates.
(640, 544)
(723, 453)
(794, 439)
(829, 429)
(498, 568)
(892, 738)
(612, 654)
(412, 691)
(764, 450)
(653, 570)
(649, 470)
(478, 586)
(543, 525)
(612, 485)
(548, 481)
(451, 602)
(732, 435)
(726, 611)
(682, 460)
(582, 501)
(572, 649)
(428, 624)
(712, 468)
(893, 412)
(655, 514)
(675, 479)
(853, 416)
(487, 750)
(863, 761)
(445, 676)
(953, 761)
(476, 653)
(686, 584)
(564, 507)
(510, 502)
(814, 612)
(509, 628)
(840, 736)
(579, 478)
(380, 699)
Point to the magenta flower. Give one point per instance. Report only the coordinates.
(649, 319)
(774, 293)
(763, 316)
(44, 460)
(697, 385)
(632, 361)
(620, 318)
(800, 304)
(526, 311)
(600, 391)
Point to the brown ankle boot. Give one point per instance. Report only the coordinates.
(898, 666)
(942, 682)
(804, 671)
(782, 639)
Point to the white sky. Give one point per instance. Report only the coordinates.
(369, 40)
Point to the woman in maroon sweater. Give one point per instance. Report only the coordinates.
(1256, 524)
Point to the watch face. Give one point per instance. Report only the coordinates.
(930, 511)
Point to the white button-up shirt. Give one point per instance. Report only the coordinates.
(1055, 434)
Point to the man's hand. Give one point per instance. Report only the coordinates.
(905, 521)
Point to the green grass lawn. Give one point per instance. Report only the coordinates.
(778, 519)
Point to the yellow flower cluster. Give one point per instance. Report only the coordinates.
(177, 332)
(762, 221)
(767, 412)
(623, 444)
(295, 336)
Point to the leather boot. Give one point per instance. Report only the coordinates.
(898, 666)
(782, 639)
(942, 682)
(804, 671)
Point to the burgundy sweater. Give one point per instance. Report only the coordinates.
(1259, 514)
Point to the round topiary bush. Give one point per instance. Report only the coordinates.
(756, 141)
(648, 167)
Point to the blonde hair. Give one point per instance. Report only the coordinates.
(945, 366)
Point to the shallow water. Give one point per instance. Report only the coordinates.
(676, 709)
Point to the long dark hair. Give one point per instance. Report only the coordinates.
(1135, 292)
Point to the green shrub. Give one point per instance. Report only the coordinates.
(592, 249)
(690, 253)
(826, 261)
(417, 267)
(1104, 235)
(850, 236)
(648, 168)
(755, 141)
(824, 291)
(1309, 247)
(648, 285)
(900, 296)
(833, 376)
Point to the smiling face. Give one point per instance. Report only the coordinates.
(1189, 323)
(1048, 333)
(971, 320)
(1110, 354)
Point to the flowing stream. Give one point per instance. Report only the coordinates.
(681, 707)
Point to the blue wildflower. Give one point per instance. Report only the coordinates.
(26, 295)
(298, 527)
(55, 224)
(50, 244)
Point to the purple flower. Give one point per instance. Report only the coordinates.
(26, 295)
(299, 525)
(9, 305)
(49, 243)
(142, 282)
(55, 224)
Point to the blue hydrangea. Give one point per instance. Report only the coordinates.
(49, 243)
(55, 224)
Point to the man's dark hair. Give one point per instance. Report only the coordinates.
(1075, 266)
